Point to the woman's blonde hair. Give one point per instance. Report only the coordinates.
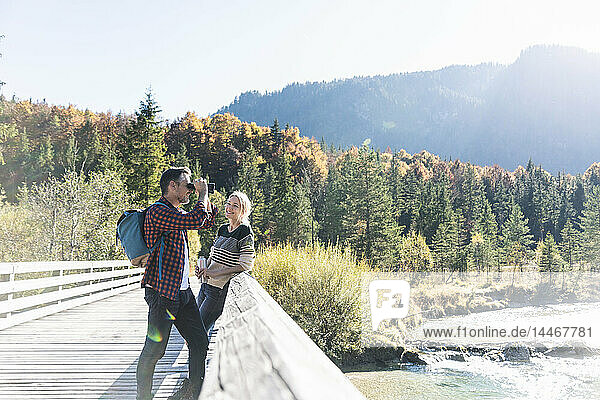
(245, 206)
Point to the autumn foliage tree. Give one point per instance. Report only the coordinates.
(390, 207)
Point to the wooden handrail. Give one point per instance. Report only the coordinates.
(40, 283)
(44, 298)
(61, 292)
(44, 266)
(259, 352)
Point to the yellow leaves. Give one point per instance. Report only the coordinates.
(421, 171)
(477, 239)
(190, 122)
(24, 107)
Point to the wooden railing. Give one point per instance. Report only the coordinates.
(32, 290)
(259, 352)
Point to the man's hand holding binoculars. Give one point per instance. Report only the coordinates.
(202, 188)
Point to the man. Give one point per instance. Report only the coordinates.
(168, 293)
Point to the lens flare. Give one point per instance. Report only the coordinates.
(154, 334)
(170, 316)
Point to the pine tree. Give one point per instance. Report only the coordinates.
(314, 189)
(284, 181)
(444, 244)
(180, 159)
(487, 221)
(276, 136)
(42, 163)
(538, 202)
(550, 260)
(578, 197)
(433, 207)
(461, 242)
(565, 208)
(249, 181)
(484, 239)
(407, 201)
(290, 209)
(196, 168)
(333, 207)
(469, 197)
(413, 254)
(268, 188)
(394, 182)
(368, 223)
(143, 152)
(298, 218)
(570, 246)
(516, 237)
(590, 223)
(501, 203)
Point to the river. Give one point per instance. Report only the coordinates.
(478, 377)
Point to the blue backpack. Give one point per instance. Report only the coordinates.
(130, 231)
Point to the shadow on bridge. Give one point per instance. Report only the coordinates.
(124, 387)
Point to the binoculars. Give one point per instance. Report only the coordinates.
(211, 187)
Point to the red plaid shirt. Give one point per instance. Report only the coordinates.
(170, 223)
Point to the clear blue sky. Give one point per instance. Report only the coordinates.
(198, 55)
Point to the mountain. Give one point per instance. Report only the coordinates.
(545, 106)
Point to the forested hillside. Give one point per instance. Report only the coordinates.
(545, 106)
(66, 175)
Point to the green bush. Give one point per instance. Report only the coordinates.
(319, 287)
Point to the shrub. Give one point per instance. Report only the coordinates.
(319, 287)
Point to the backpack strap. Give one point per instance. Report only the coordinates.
(162, 246)
(160, 255)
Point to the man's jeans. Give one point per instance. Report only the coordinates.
(162, 314)
(210, 303)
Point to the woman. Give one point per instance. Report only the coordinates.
(231, 253)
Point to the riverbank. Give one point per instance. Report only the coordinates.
(491, 370)
(437, 296)
(390, 358)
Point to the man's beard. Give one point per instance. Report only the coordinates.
(184, 200)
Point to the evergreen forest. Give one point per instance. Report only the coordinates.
(66, 175)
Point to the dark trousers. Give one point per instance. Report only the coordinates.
(162, 314)
(210, 303)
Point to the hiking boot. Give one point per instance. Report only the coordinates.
(184, 392)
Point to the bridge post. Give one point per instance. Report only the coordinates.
(91, 281)
(11, 279)
(60, 287)
(112, 279)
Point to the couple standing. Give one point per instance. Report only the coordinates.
(167, 290)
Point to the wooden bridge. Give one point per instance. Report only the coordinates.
(74, 330)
